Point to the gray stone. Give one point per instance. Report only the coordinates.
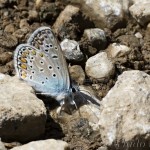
(71, 50)
(141, 12)
(118, 52)
(22, 114)
(96, 37)
(124, 115)
(105, 13)
(2, 146)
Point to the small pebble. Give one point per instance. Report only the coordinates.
(71, 50)
(96, 37)
(77, 74)
(10, 28)
(23, 23)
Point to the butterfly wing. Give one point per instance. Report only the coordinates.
(38, 70)
(45, 41)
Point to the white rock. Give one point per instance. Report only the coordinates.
(116, 51)
(125, 110)
(96, 37)
(139, 1)
(104, 13)
(102, 148)
(2, 147)
(71, 50)
(99, 67)
(148, 27)
(22, 114)
(50, 144)
(141, 12)
(138, 35)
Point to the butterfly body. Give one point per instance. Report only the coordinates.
(41, 63)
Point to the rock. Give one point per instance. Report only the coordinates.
(102, 148)
(7, 40)
(139, 1)
(48, 11)
(21, 111)
(124, 115)
(141, 12)
(96, 37)
(23, 23)
(33, 15)
(88, 107)
(138, 35)
(129, 40)
(3, 3)
(49, 144)
(2, 146)
(64, 18)
(106, 13)
(21, 33)
(71, 50)
(148, 27)
(9, 28)
(69, 22)
(38, 4)
(118, 52)
(5, 57)
(77, 74)
(99, 67)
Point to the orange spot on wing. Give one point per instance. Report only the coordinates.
(23, 60)
(23, 66)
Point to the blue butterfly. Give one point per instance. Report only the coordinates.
(41, 64)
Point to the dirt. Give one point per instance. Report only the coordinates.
(17, 22)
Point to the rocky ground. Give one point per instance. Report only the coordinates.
(107, 46)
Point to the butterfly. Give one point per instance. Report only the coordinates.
(40, 62)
